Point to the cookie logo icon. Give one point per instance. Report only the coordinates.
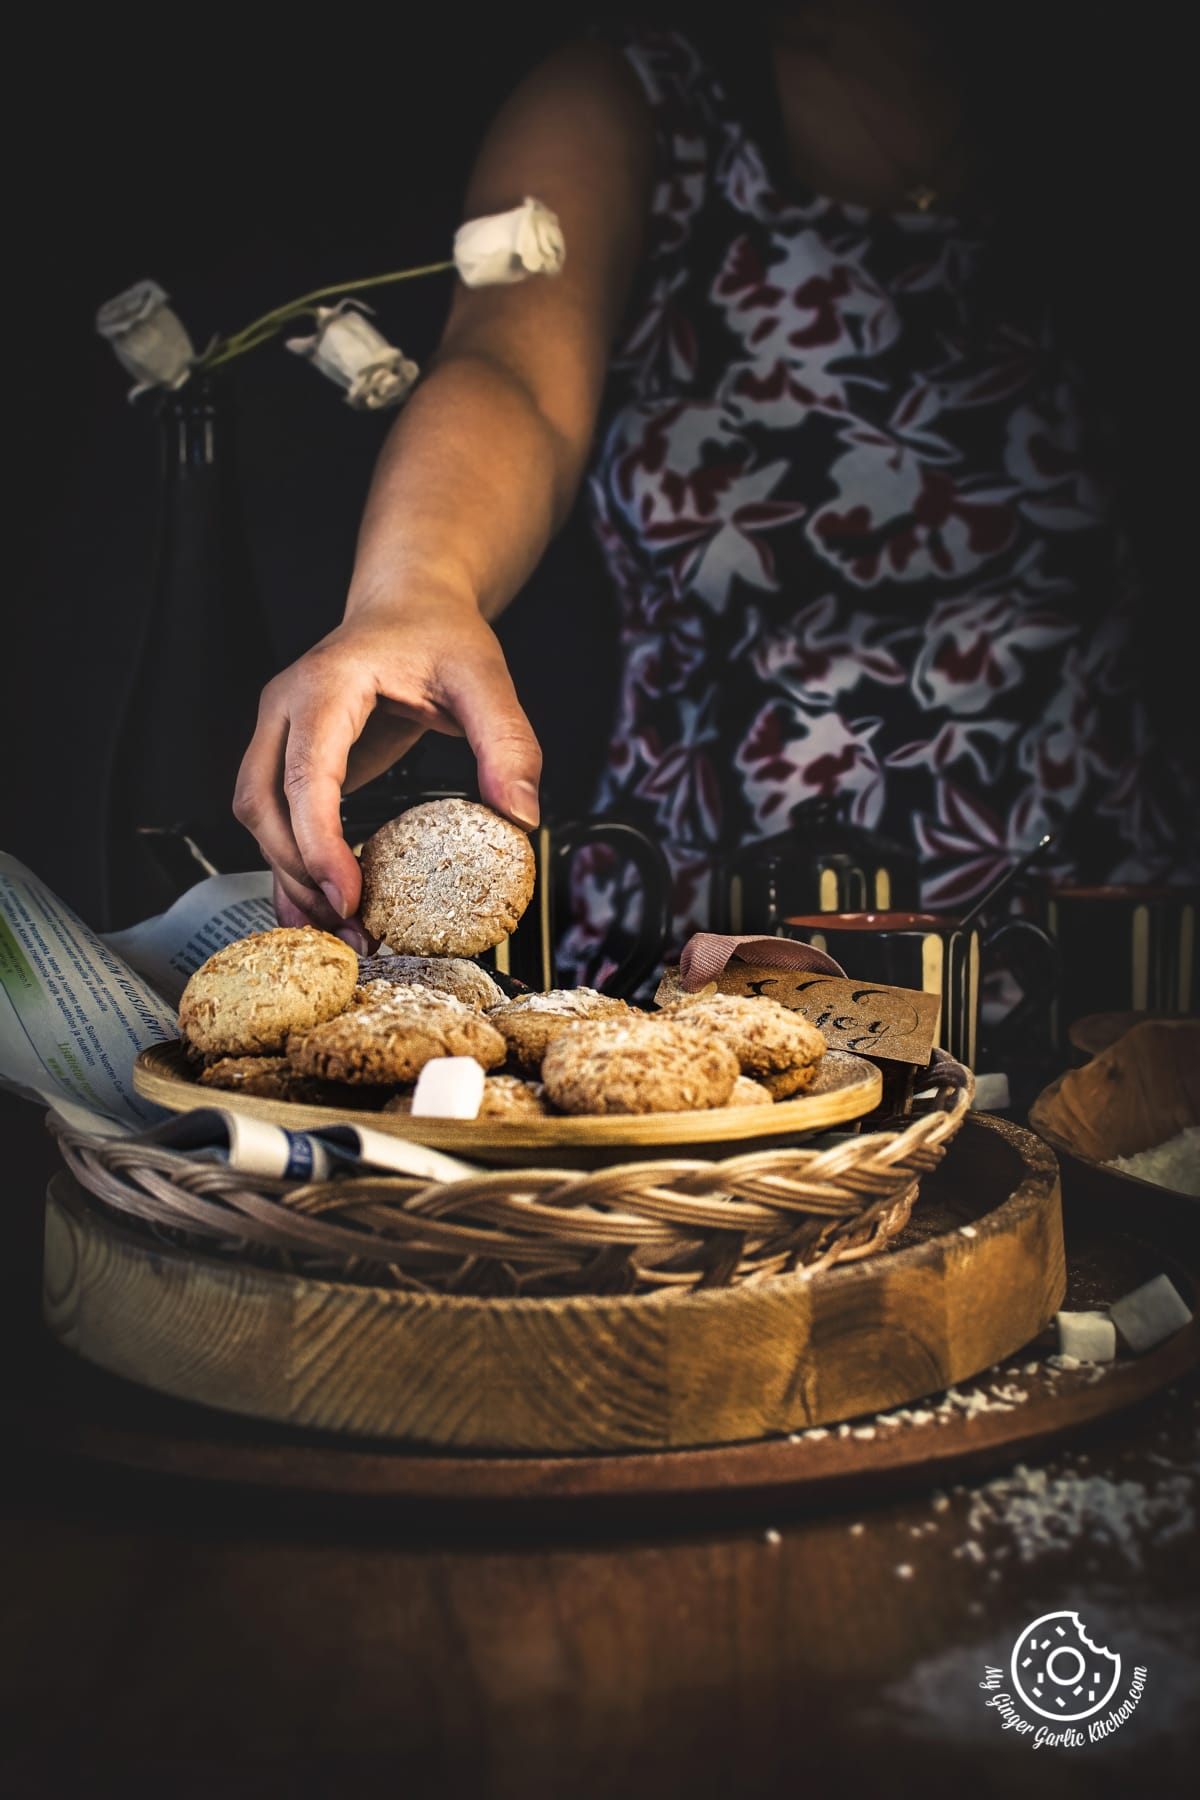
(1059, 1673)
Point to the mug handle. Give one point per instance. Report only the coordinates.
(633, 846)
(1032, 957)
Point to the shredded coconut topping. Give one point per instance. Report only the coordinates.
(958, 1402)
(1045, 1511)
(1175, 1163)
(403, 996)
(565, 1001)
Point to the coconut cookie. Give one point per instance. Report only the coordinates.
(274, 1078)
(749, 1093)
(638, 1064)
(531, 1022)
(266, 1077)
(456, 975)
(504, 1097)
(509, 1097)
(772, 1043)
(785, 1084)
(447, 878)
(250, 996)
(391, 1032)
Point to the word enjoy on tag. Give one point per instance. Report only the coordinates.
(896, 1024)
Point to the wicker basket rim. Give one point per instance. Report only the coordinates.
(868, 1182)
(539, 1305)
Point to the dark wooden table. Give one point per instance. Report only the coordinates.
(189, 1638)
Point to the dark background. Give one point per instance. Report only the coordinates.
(240, 167)
(240, 172)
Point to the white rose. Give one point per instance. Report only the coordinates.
(147, 337)
(347, 348)
(509, 246)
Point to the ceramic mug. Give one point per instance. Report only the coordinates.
(821, 863)
(528, 955)
(1123, 948)
(935, 954)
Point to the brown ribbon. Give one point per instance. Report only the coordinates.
(706, 954)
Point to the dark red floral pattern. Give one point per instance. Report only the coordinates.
(858, 541)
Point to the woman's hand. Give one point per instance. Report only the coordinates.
(345, 712)
(479, 470)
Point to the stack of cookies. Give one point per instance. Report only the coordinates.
(295, 1014)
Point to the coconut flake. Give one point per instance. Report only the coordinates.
(1174, 1164)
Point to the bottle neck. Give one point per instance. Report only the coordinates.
(195, 429)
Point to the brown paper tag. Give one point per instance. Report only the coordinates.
(893, 1023)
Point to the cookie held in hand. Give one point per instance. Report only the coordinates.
(251, 995)
(446, 878)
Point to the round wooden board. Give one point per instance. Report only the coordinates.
(576, 1373)
(86, 1414)
(847, 1088)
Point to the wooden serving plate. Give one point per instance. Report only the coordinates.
(846, 1089)
(576, 1373)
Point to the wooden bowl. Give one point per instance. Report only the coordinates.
(1141, 1090)
(1096, 1031)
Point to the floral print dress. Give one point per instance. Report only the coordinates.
(849, 511)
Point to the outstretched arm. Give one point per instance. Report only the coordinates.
(474, 478)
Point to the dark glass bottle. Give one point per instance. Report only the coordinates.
(203, 659)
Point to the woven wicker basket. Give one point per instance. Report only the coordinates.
(630, 1228)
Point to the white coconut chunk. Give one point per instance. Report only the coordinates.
(448, 1087)
(1149, 1314)
(1090, 1337)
